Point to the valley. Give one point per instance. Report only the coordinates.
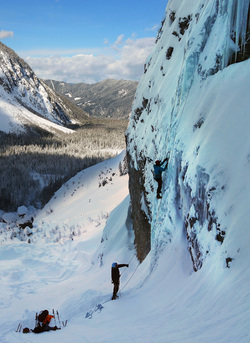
(106, 99)
(36, 163)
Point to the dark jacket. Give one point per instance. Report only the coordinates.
(115, 274)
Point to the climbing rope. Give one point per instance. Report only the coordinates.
(130, 277)
(128, 263)
(99, 306)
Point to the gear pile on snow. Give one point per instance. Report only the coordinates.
(43, 320)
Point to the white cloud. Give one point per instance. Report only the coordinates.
(6, 34)
(123, 60)
(119, 40)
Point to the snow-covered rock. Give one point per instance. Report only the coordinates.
(22, 210)
(9, 217)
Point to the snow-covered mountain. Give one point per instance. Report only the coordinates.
(193, 103)
(26, 101)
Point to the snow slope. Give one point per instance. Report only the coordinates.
(14, 117)
(167, 302)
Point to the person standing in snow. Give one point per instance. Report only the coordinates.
(115, 276)
(158, 169)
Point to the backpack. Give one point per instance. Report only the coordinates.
(42, 315)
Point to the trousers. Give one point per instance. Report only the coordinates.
(115, 290)
(159, 181)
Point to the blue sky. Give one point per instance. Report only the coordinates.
(82, 40)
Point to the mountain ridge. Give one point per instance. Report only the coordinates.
(107, 98)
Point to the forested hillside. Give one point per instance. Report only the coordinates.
(108, 98)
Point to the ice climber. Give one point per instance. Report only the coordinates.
(158, 169)
(115, 276)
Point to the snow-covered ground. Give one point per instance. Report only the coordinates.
(159, 302)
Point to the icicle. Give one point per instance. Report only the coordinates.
(238, 25)
(241, 20)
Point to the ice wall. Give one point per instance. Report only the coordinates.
(191, 90)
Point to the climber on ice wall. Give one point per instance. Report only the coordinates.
(158, 169)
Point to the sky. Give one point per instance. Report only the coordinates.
(81, 40)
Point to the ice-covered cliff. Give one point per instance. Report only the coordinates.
(193, 103)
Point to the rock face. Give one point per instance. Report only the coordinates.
(141, 222)
(108, 98)
(194, 86)
(20, 87)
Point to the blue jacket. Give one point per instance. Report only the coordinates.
(158, 169)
